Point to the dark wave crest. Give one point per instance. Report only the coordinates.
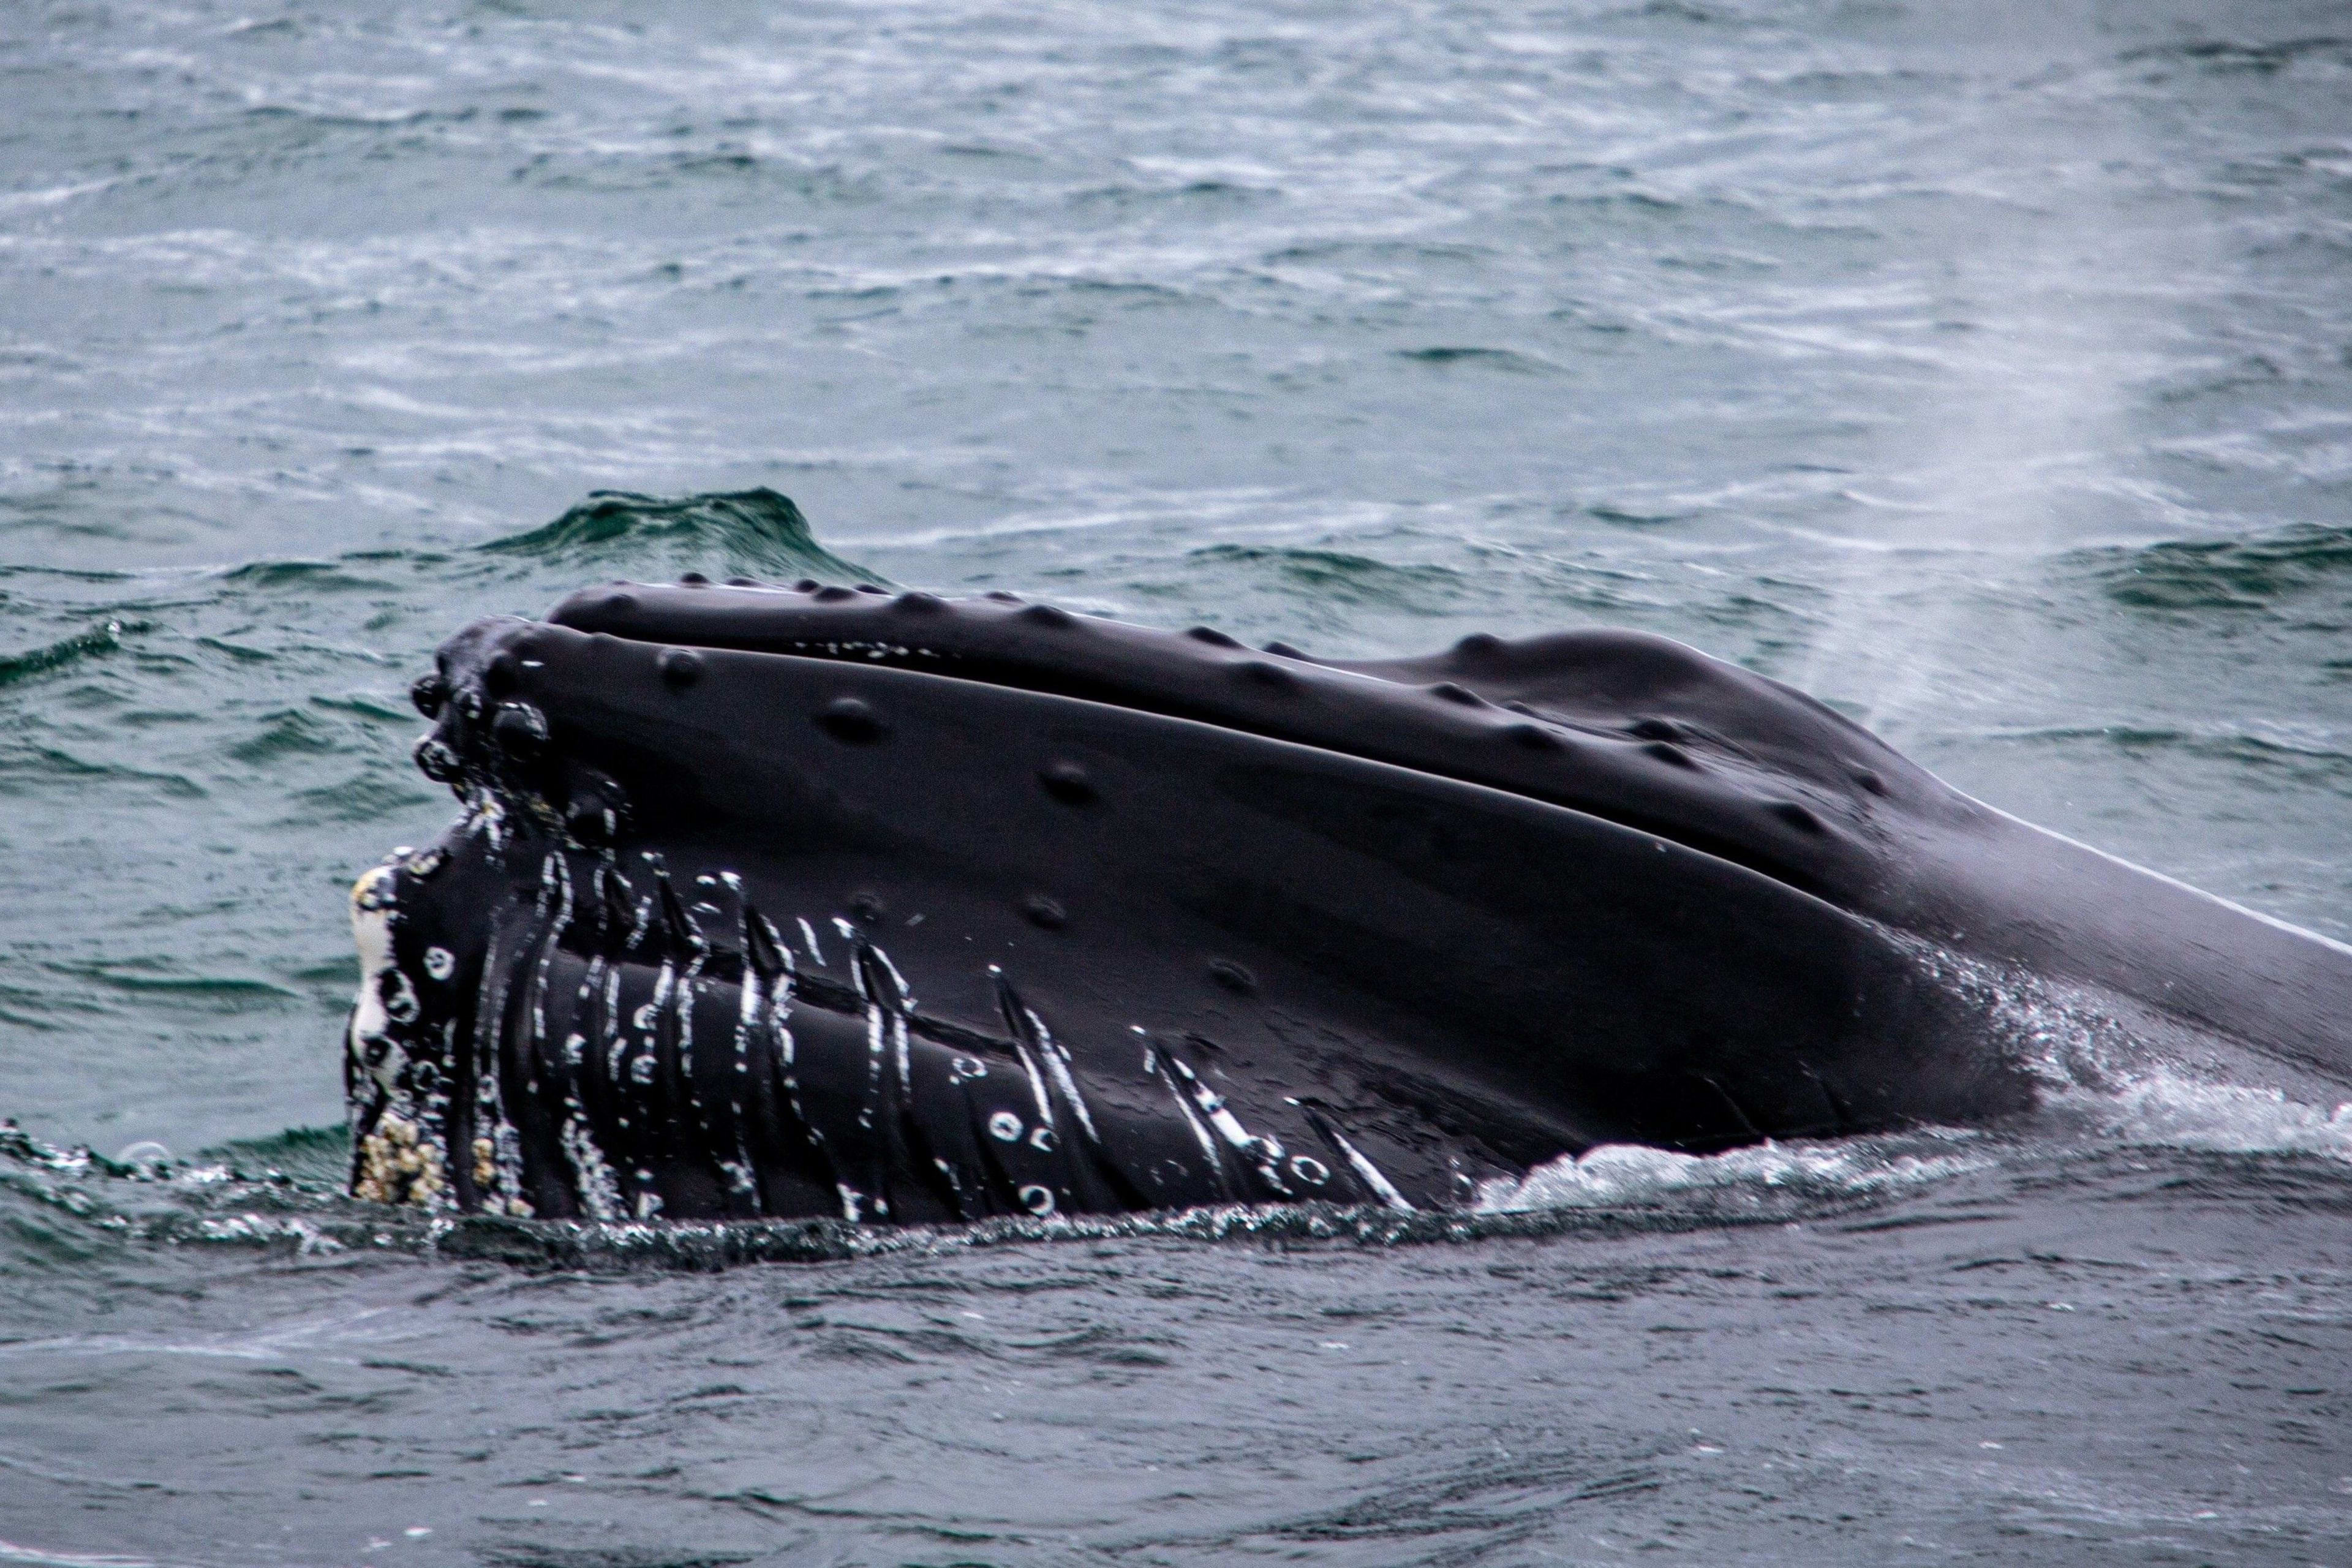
(755, 532)
(2253, 572)
(59, 655)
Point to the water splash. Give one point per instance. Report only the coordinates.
(243, 1204)
(2169, 1110)
(1769, 1176)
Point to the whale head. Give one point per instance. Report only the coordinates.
(817, 899)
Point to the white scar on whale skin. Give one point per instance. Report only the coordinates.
(491, 1001)
(752, 1006)
(888, 1041)
(1370, 1176)
(1263, 1152)
(674, 998)
(372, 909)
(600, 1190)
(488, 819)
(1046, 1119)
(606, 1191)
(775, 1016)
(611, 1188)
(1153, 1064)
(503, 1159)
(1058, 1063)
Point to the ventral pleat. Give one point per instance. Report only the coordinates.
(679, 931)
(764, 953)
(617, 911)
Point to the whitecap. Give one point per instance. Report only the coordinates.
(1616, 1176)
(2166, 1109)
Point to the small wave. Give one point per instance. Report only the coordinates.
(1216, 191)
(642, 169)
(1634, 516)
(1491, 359)
(368, 795)
(1680, 11)
(61, 654)
(2223, 56)
(229, 993)
(307, 577)
(1769, 1176)
(754, 532)
(38, 1558)
(287, 732)
(318, 1156)
(695, 1246)
(246, 1199)
(2247, 573)
(39, 765)
(1345, 577)
(2315, 765)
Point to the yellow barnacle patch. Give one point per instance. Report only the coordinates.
(398, 1166)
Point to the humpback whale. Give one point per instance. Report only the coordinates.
(806, 901)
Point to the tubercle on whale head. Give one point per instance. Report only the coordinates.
(496, 749)
(1696, 778)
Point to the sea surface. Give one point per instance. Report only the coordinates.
(1983, 367)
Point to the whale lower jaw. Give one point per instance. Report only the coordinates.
(625, 1053)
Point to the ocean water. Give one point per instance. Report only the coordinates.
(1984, 368)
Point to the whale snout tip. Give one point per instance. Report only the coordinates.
(371, 893)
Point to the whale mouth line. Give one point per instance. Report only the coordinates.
(1476, 716)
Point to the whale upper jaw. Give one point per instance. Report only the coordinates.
(1633, 728)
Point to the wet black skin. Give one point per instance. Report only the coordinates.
(1418, 923)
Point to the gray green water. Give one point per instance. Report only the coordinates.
(1985, 368)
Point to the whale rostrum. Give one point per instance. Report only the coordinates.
(813, 901)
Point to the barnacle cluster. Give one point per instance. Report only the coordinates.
(396, 1166)
(485, 1182)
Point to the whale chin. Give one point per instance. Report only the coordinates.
(820, 902)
